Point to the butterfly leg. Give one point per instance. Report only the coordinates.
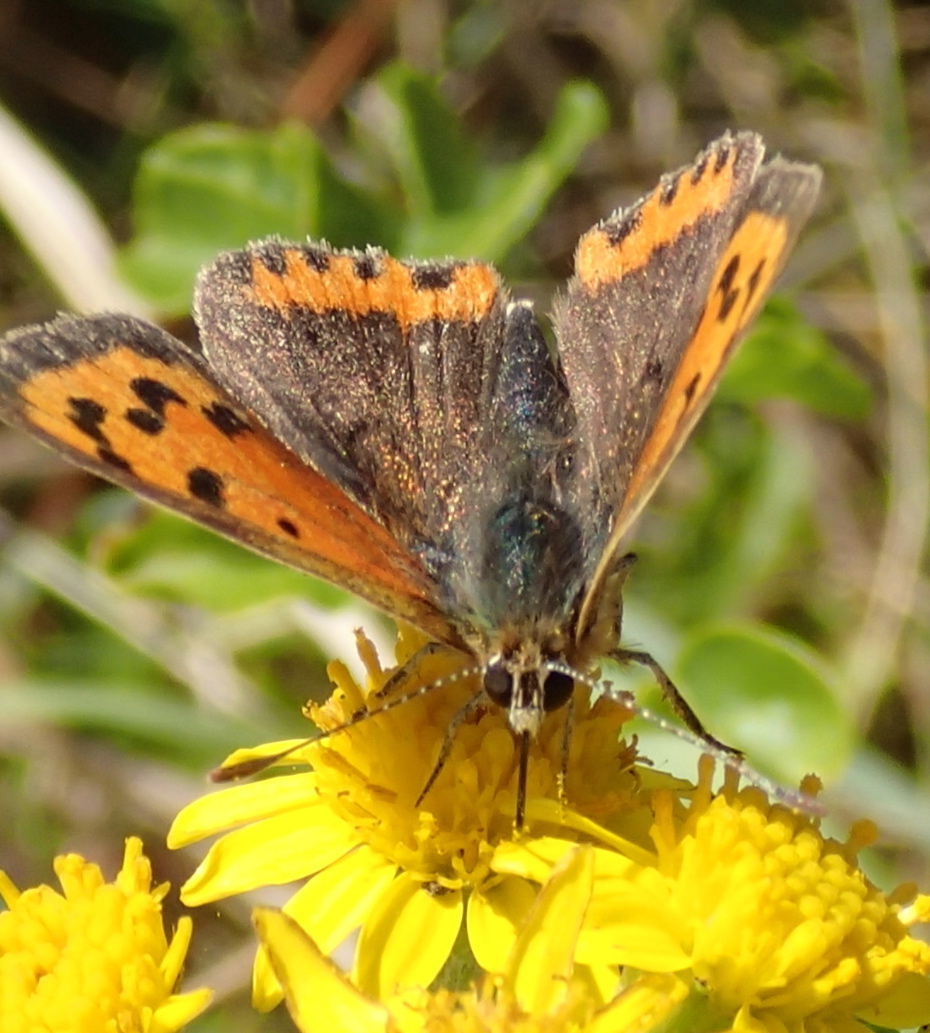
(448, 739)
(566, 746)
(523, 745)
(671, 693)
(403, 672)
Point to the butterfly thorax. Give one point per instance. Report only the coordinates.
(527, 656)
(530, 563)
(511, 580)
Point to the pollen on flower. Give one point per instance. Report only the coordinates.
(492, 1008)
(776, 918)
(93, 957)
(374, 772)
(354, 826)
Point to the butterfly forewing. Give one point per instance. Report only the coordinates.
(134, 405)
(661, 295)
(778, 205)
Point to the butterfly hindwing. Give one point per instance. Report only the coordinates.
(416, 386)
(369, 368)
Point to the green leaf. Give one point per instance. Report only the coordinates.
(884, 789)
(146, 713)
(171, 558)
(510, 201)
(786, 357)
(771, 696)
(734, 510)
(213, 187)
(747, 520)
(434, 160)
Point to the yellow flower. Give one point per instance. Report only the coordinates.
(94, 959)
(772, 925)
(376, 859)
(540, 990)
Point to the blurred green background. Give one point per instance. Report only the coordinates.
(782, 564)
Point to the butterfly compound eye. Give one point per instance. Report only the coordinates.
(558, 690)
(498, 684)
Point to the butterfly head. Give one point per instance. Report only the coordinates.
(522, 682)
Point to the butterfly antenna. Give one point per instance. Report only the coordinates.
(796, 799)
(248, 768)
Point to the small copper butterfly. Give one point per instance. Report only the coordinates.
(403, 429)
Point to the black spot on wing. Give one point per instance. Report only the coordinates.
(366, 266)
(145, 420)
(668, 189)
(108, 456)
(753, 284)
(271, 255)
(617, 232)
(206, 485)
(692, 388)
(288, 527)
(317, 258)
(154, 394)
(722, 154)
(88, 416)
(432, 276)
(699, 168)
(726, 305)
(726, 280)
(228, 423)
(726, 288)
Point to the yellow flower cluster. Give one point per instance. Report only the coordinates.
(93, 958)
(630, 901)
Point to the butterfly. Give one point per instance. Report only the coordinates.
(403, 429)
